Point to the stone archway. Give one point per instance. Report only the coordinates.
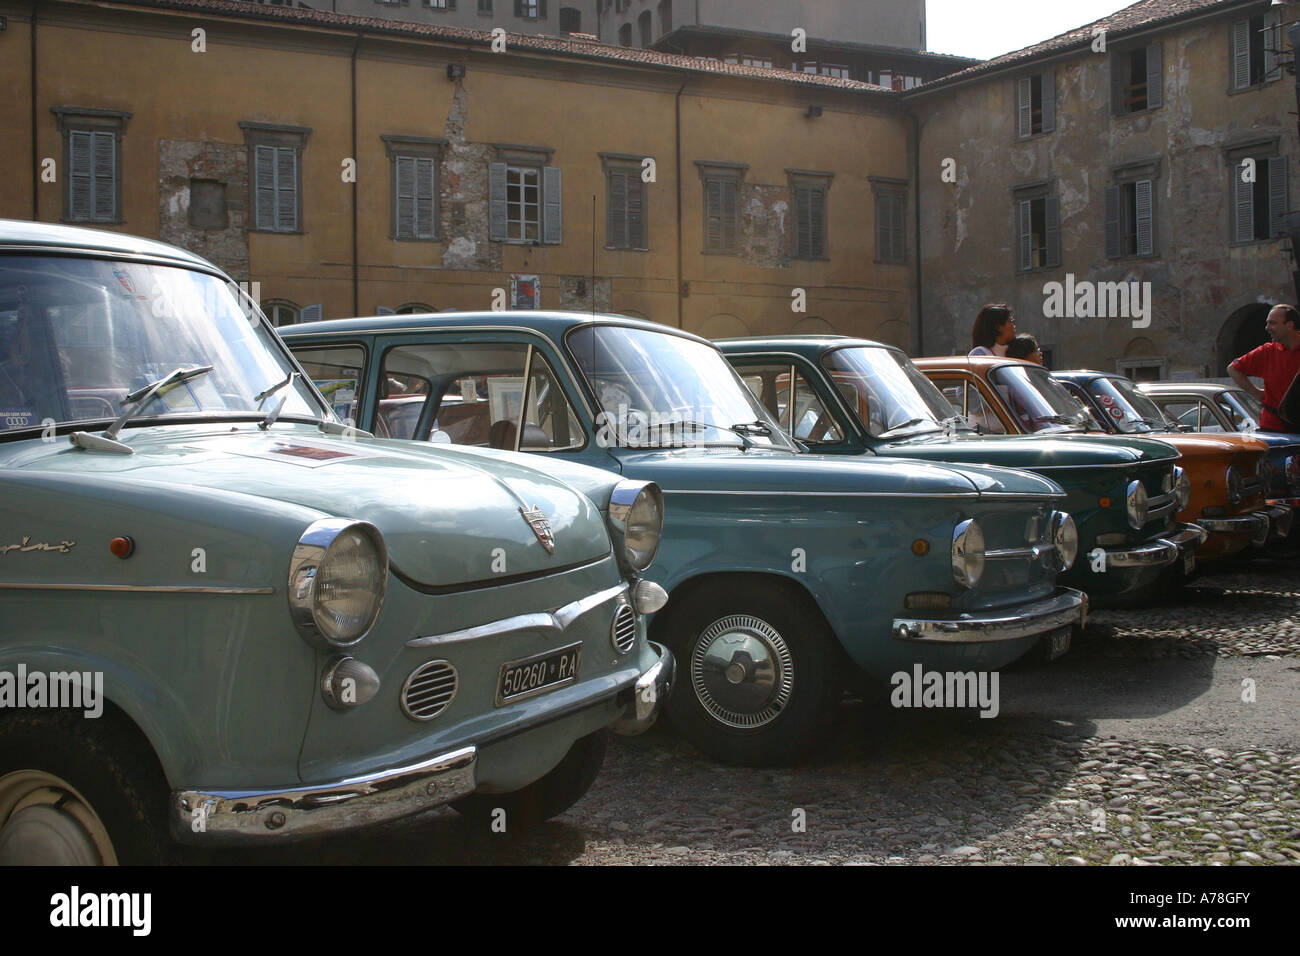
(893, 332)
(723, 325)
(1243, 331)
(812, 325)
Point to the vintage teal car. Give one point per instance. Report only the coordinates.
(787, 572)
(849, 396)
(227, 614)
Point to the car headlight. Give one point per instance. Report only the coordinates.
(636, 522)
(337, 577)
(1066, 538)
(1135, 504)
(1233, 480)
(967, 553)
(1182, 488)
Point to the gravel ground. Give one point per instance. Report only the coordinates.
(1136, 748)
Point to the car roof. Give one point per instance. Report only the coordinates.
(1186, 388)
(553, 324)
(808, 344)
(972, 362)
(52, 236)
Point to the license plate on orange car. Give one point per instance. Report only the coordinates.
(538, 674)
(1189, 563)
(1058, 642)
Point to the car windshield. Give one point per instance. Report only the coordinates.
(1243, 409)
(1040, 403)
(79, 334)
(661, 390)
(889, 394)
(1128, 409)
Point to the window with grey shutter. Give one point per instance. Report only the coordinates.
(1114, 248)
(414, 212)
(1024, 107)
(1144, 227)
(553, 205)
(891, 219)
(1037, 227)
(497, 202)
(1130, 211)
(92, 164)
(1035, 104)
(1048, 82)
(1241, 78)
(1243, 202)
(1137, 79)
(721, 182)
(1155, 77)
(1052, 231)
(275, 175)
(808, 191)
(1026, 240)
(625, 195)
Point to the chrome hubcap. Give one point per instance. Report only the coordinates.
(742, 671)
(45, 822)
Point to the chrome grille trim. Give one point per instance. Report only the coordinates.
(557, 620)
(1161, 506)
(429, 690)
(623, 629)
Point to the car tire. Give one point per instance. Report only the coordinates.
(760, 676)
(548, 797)
(80, 791)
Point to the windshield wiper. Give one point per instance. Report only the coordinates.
(135, 402)
(907, 424)
(262, 396)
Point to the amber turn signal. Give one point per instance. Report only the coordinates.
(920, 547)
(1104, 502)
(121, 547)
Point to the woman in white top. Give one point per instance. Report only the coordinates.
(994, 327)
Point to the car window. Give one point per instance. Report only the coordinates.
(337, 372)
(807, 418)
(476, 395)
(980, 414)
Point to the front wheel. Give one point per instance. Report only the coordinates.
(545, 798)
(761, 685)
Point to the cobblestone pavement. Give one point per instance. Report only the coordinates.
(1168, 735)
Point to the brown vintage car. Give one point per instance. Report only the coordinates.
(1228, 473)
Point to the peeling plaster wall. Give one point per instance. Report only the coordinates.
(179, 162)
(1198, 276)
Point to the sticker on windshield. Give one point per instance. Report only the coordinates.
(1116, 413)
(18, 417)
(1107, 400)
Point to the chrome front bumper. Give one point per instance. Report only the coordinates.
(649, 695)
(1280, 518)
(1250, 524)
(254, 816)
(1160, 552)
(1064, 607)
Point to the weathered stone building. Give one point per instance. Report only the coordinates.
(552, 17)
(352, 164)
(1154, 146)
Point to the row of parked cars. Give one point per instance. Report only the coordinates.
(259, 587)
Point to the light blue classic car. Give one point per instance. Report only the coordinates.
(229, 615)
(787, 573)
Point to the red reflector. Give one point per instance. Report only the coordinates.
(121, 547)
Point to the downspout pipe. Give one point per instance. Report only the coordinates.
(36, 159)
(916, 190)
(680, 184)
(356, 292)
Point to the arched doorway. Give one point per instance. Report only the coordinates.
(1243, 331)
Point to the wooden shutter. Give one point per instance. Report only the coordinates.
(1277, 195)
(713, 215)
(81, 177)
(286, 189)
(1145, 219)
(616, 210)
(1052, 216)
(312, 313)
(264, 186)
(425, 225)
(1155, 77)
(1025, 209)
(899, 227)
(817, 223)
(552, 205)
(1049, 101)
(1241, 54)
(104, 153)
(1114, 246)
(497, 198)
(519, 8)
(636, 232)
(730, 223)
(1024, 107)
(1243, 199)
(1272, 44)
(405, 225)
(803, 234)
(541, 9)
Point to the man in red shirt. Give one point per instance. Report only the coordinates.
(1276, 362)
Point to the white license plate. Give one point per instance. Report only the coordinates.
(1189, 563)
(1058, 642)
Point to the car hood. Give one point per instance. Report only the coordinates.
(759, 470)
(448, 519)
(1199, 443)
(1032, 451)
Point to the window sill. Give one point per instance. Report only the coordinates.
(92, 222)
(627, 248)
(415, 238)
(1253, 88)
(1142, 112)
(1255, 242)
(1134, 256)
(1041, 133)
(811, 259)
(720, 252)
(278, 232)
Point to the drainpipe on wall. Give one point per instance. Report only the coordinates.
(1292, 220)
(916, 189)
(36, 178)
(678, 134)
(356, 294)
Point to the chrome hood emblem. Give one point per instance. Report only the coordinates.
(541, 526)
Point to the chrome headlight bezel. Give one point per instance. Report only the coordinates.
(1135, 505)
(636, 523)
(312, 554)
(1233, 481)
(1182, 488)
(967, 553)
(1065, 538)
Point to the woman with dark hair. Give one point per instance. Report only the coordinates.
(1024, 346)
(994, 327)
